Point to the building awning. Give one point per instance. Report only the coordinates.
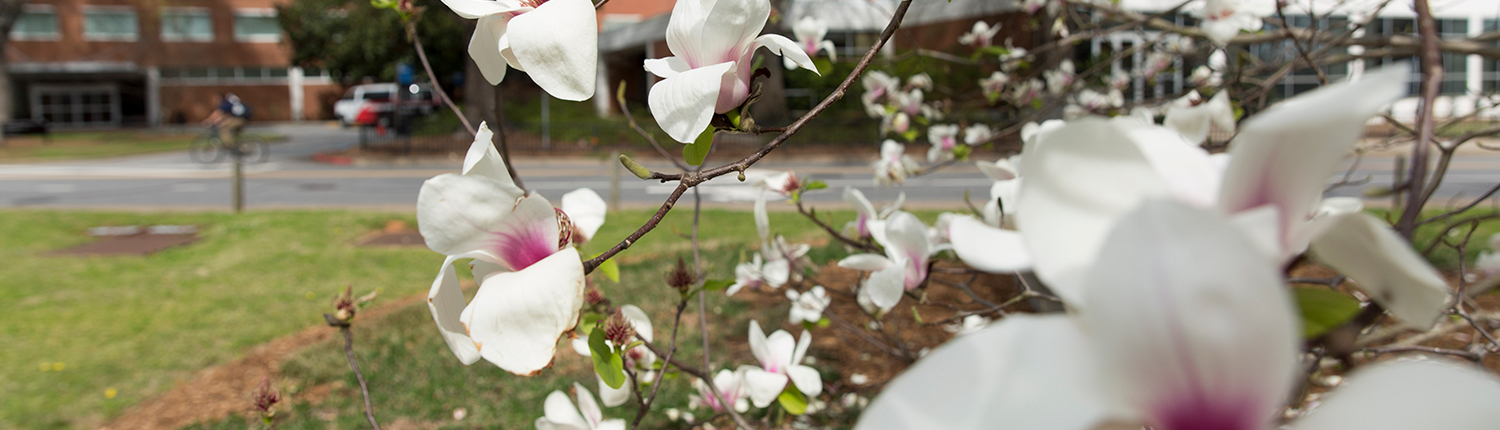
(22, 68)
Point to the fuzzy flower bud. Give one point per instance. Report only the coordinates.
(618, 330)
(265, 397)
(680, 278)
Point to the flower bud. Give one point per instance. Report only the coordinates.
(265, 397)
(565, 229)
(618, 330)
(635, 168)
(680, 278)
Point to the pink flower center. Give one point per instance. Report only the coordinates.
(522, 247)
(1208, 413)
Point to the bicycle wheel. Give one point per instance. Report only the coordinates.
(255, 149)
(205, 149)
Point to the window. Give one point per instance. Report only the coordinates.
(186, 25)
(1455, 66)
(116, 24)
(256, 25)
(1302, 79)
(36, 22)
(220, 75)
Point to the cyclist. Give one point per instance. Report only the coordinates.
(229, 118)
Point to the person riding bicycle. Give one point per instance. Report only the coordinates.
(229, 118)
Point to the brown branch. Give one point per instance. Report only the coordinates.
(700, 374)
(1432, 77)
(691, 179)
(363, 388)
(503, 143)
(625, 109)
(812, 215)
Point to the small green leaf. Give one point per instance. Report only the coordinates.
(910, 135)
(694, 153)
(716, 284)
(823, 323)
(961, 152)
(816, 185)
(915, 315)
(734, 118)
(1324, 309)
(611, 270)
(609, 366)
(793, 400)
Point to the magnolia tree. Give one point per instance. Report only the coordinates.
(1155, 243)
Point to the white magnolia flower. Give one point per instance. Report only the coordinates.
(867, 222)
(731, 386)
(808, 306)
(878, 85)
(757, 272)
(795, 255)
(531, 278)
(1223, 19)
(994, 85)
(1205, 77)
(1188, 328)
(969, 324)
(1095, 101)
(981, 36)
(978, 134)
(1025, 92)
(639, 358)
(1059, 80)
(1156, 62)
(898, 122)
(1031, 6)
(713, 43)
(780, 360)
(903, 267)
(783, 183)
(943, 138)
(1196, 119)
(894, 165)
(1119, 79)
(810, 32)
(909, 102)
(560, 414)
(554, 41)
(920, 80)
(1177, 44)
(1083, 176)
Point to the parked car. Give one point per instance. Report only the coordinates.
(369, 104)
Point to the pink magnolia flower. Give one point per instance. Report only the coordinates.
(981, 36)
(560, 414)
(810, 32)
(731, 386)
(943, 138)
(780, 360)
(904, 265)
(894, 166)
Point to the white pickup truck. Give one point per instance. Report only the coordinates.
(368, 103)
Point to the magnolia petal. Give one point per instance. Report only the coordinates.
(484, 46)
(1220, 31)
(862, 205)
(667, 67)
(529, 234)
(707, 32)
(612, 397)
(781, 347)
(586, 405)
(803, 342)
(557, 44)
(1028, 372)
(1190, 121)
(1260, 225)
(684, 104)
(906, 240)
(517, 317)
(776, 272)
(1198, 329)
(866, 262)
(446, 302)
(1385, 266)
(475, 9)
(1429, 394)
(586, 209)
(999, 170)
(762, 221)
(1189, 173)
(806, 379)
(759, 347)
(559, 411)
(1220, 112)
(763, 386)
(1079, 178)
(457, 214)
(484, 161)
(787, 49)
(987, 248)
(884, 287)
(611, 424)
(638, 320)
(1285, 155)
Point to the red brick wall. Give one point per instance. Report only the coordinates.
(149, 49)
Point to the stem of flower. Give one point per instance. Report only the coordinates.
(363, 388)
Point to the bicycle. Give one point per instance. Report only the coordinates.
(208, 148)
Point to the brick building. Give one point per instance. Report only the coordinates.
(111, 63)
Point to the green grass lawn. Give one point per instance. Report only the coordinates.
(139, 325)
(94, 144)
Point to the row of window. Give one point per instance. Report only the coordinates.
(119, 23)
(236, 74)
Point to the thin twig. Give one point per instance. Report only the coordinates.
(1468, 355)
(813, 215)
(502, 142)
(700, 374)
(363, 388)
(411, 31)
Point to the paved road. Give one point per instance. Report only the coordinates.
(291, 179)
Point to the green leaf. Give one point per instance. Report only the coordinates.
(910, 135)
(816, 185)
(716, 284)
(694, 153)
(609, 366)
(823, 323)
(915, 315)
(611, 270)
(961, 152)
(792, 400)
(734, 118)
(1324, 309)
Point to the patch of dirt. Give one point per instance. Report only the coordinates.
(137, 244)
(224, 390)
(396, 233)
